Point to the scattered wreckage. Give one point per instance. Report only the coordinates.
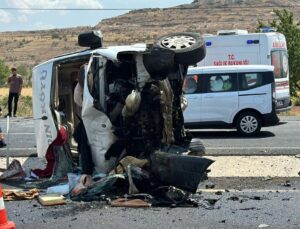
(125, 121)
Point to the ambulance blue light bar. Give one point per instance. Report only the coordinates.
(250, 42)
(208, 43)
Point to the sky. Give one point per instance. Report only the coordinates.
(16, 20)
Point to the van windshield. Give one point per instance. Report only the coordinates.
(279, 60)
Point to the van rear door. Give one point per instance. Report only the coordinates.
(192, 89)
(45, 128)
(97, 124)
(255, 91)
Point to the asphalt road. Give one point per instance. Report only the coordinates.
(244, 202)
(276, 208)
(283, 139)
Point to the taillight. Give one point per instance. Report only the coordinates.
(273, 91)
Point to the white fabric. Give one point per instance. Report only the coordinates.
(99, 132)
(1, 203)
(78, 95)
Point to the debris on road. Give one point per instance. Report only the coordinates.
(233, 198)
(210, 186)
(250, 208)
(14, 171)
(286, 184)
(263, 225)
(267, 178)
(62, 189)
(130, 203)
(209, 203)
(51, 200)
(11, 194)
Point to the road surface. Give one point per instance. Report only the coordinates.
(248, 191)
(283, 139)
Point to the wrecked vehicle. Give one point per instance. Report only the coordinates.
(131, 105)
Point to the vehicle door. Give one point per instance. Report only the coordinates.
(219, 98)
(255, 91)
(192, 92)
(97, 124)
(42, 94)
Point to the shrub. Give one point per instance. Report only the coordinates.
(297, 101)
(24, 105)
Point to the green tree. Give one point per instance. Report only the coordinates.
(4, 73)
(285, 24)
(25, 73)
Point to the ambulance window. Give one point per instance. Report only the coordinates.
(250, 80)
(191, 84)
(279, 60)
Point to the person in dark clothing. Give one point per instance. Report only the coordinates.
(15, 83)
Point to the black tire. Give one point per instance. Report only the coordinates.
(158, 62)
(248, 123)
(189, 48)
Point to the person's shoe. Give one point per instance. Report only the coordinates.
(2, 144)
(85, 182)
(15, 116)
(7, 115)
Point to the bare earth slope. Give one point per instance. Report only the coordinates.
(205, 16)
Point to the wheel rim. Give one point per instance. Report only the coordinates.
(178, 42)
(249, 124)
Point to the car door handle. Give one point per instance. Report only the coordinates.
(208, 96)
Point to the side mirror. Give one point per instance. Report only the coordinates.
(91, 39)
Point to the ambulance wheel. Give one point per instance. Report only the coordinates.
(248, 123)
(189, 48)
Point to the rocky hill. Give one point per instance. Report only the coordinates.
(205, 16)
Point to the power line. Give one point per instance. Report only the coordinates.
(69, 9)
(172, 8)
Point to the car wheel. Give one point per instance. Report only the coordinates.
(248, 123)
(189, 48)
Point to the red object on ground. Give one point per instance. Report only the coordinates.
(60, 140)
(4, 224)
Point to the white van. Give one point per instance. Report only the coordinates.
(231, 96)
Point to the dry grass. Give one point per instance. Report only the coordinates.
(295, 111)
(25, 92)
(24, 105)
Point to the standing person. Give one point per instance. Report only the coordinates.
(15, 83)
(2, 143)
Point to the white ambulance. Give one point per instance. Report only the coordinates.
(238, 47)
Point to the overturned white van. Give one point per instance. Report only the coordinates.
(129, 92)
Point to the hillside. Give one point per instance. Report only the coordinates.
(205, 16)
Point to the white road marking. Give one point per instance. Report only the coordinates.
(11, 149)
(249, 147)
(19, 133)
(248, 190)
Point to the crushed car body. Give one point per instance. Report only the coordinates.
(118, 102)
